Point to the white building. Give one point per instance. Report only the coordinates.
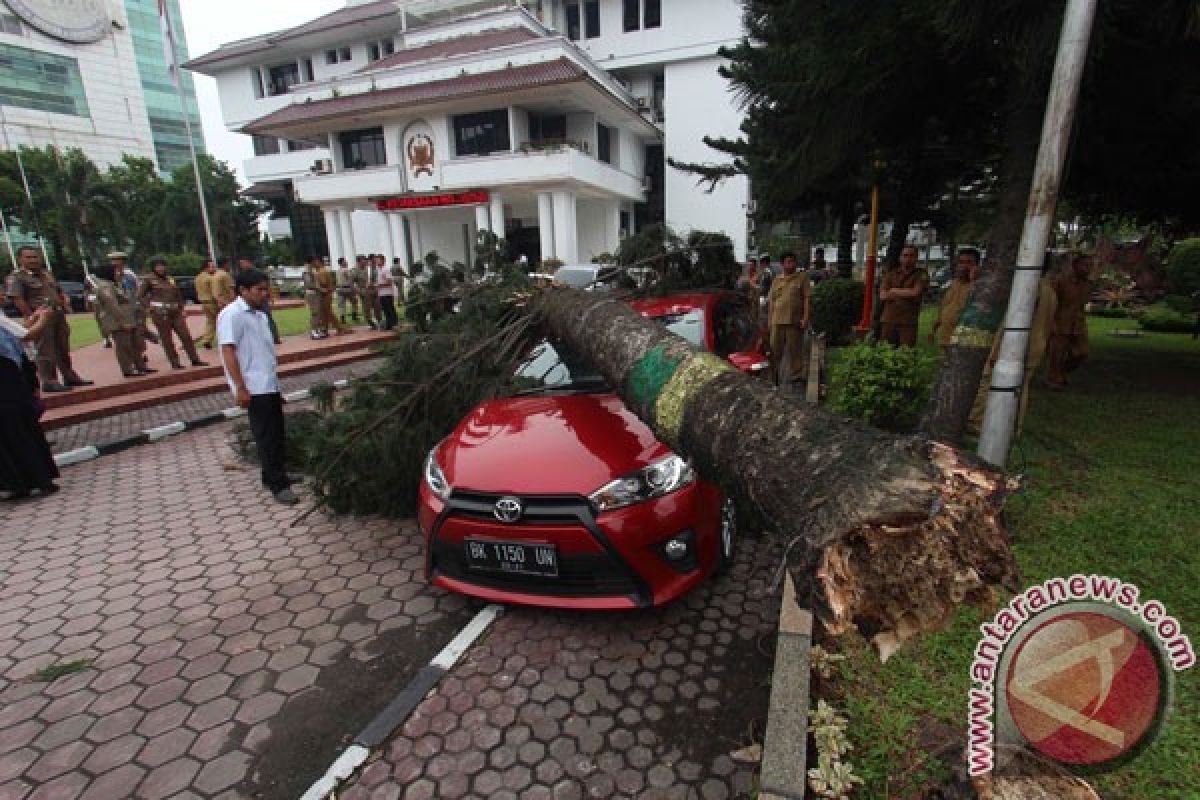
(407, 127)
(92, 74)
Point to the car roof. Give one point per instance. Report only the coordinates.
(678, 303)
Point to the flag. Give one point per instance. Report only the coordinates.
(164, 19)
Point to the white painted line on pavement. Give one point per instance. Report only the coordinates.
(452, 652)
(342, 384)
(343, 768)
(76, 456)
(296, 396)
(233, 413)
(163, 431)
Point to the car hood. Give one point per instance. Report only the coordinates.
(547, 444)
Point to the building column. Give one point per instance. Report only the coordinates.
(498, 215)
(333, 232)
(349, 248)
(612, 226)
(566, 228)
(545, 201)
(389, 237)
(414, 230)
(482, 219)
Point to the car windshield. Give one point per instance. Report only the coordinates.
(689, 325)
(582, 277)
(552, 365)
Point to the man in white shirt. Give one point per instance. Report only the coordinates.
(248, 353)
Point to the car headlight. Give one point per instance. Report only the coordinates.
(654, 480)
(435, 479)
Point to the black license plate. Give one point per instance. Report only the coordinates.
(511, 557)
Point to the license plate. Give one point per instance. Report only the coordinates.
(511, 557)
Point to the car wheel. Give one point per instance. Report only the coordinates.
(727, 535)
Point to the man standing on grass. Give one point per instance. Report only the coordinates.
(1068, 346)
(248, 353)
(900, 294)
(966, 270)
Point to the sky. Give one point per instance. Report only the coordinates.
(209, 24)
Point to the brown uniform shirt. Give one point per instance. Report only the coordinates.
(906, 311)
(787, 298)
(1072, 297)
(312, 282)
(953, 303)
(206, 288)
(158, 292)
(223, 288)
(36, 290)
(325, 280)
(115, 309)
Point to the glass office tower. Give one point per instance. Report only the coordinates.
(162, 101)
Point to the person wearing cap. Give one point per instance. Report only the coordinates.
(124, 277)
(223, 287)
(117, 314)
(164, 302)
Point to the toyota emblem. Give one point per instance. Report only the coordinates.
(508, 509)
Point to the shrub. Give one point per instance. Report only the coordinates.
(184, 263)
(882, 385)
(1181, 303)
(1112, 313)
(1183, 268)
(1162, 318)
(837, 308)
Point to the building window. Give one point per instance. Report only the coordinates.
(331, 56)
(573, 22)
(363, 148)
(344, 54)
(282, 78)
(10, 24)
(41, 81)
(265, 145)
(604, 143)
(373, 51)
(546, 128)
(633, 15)
(308, 70)
(294, 145)
(480, 134)
(388, 46)
(591, 19)
(259, 89)
(653, 16)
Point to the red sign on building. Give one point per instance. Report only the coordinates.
(411, 202)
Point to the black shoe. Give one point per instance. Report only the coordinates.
(146, 371)
(54, 386)
(80, 382)
(177, 366)
(107, 344)
(199, 363)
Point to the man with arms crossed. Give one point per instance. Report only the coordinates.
(248, 353)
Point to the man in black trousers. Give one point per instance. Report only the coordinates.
(248, 353)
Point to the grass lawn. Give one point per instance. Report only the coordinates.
(1112, 486)
(84, 331)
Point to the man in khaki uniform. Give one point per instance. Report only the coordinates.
(955, 299)
(224, 292)
(327, 282)
(117, 314)
(125, 277)
(900, 294)
(206, 293)
(32, 287)
(1069, 337)
(1039, 337)
(318, 325)
(347, 290)
(164, 303)
(366, 282)
(789, 305)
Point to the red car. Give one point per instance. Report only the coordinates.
(561, 497)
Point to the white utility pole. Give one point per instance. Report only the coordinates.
(1008, 375)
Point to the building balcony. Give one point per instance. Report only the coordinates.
(350, 185)
(538, 167)
(282, 166)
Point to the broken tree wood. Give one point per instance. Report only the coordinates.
(891, 533)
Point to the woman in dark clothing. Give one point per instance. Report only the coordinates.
(26, 464)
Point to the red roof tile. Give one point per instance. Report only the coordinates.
(458, 46)
(549, 73)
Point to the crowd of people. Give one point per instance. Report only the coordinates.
(370, 285)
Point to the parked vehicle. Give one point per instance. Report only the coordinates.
(77, 294)
(561, 497)
(589, 277)
(187, 287)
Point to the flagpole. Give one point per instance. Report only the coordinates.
(12, 256)
(169, 46)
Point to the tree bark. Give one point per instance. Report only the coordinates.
(890, 533)
(962, 365)
(845, 257)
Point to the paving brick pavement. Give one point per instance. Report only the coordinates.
(121, 425)
(206, 617)
(569, 705)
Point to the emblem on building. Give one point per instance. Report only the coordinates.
(78, 21)
(420, 155)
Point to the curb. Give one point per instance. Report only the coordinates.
(785, 746)
(388, 721)
(90, 452)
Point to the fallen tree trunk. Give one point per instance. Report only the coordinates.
(891, 533)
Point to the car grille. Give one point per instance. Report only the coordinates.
(579, 574)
